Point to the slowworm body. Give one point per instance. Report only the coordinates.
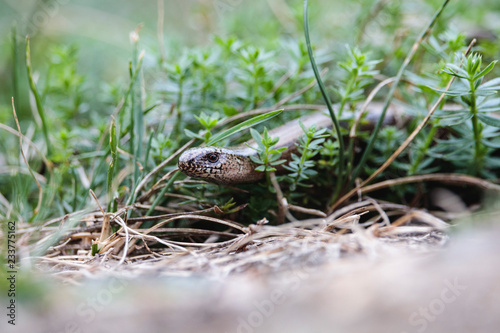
(233, 165)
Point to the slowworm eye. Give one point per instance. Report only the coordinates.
(212, 157)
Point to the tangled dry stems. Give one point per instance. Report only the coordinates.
(362, 228)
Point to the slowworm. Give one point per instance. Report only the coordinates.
(233, 165)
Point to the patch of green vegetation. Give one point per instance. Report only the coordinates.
(109, 142)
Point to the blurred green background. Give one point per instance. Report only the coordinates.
(101, 29)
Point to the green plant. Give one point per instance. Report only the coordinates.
(179, 73)
(441, 49)
(268, 155)
(208, 122)
(360, 71)
(302, 166)
(161, 145)
(475, 96)
(254, 72)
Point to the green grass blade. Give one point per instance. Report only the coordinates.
(243, 126)
(148, 149)
(336, 123)
(15, 72)
(38, 100)
(113, 145)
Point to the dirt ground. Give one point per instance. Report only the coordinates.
(432, 282)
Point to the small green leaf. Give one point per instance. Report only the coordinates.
(212, 123)
(489, 120)
(229, 110)
(491, 109)
(455, 71)
(490, 102)
(193, 134)
(277, 162)
(454, 93)
(255, 159)
(486, 70)
(486, 92)
(495, 83)
(491, 143)
(261, 168)
(257, 138)
(273, 141)
(201, 119)
(454, 120)
(95, 249)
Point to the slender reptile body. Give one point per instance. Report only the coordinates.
(234, 166)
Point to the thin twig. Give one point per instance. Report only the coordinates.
(282, 202)
(306, 210)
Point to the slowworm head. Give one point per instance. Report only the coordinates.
(218, 165)
(209, 163)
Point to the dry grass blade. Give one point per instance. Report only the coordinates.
(364, 107)
(443, 178)
(437, 177)
(233, 225)
(40, 190)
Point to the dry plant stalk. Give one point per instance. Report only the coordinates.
(40, 190)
